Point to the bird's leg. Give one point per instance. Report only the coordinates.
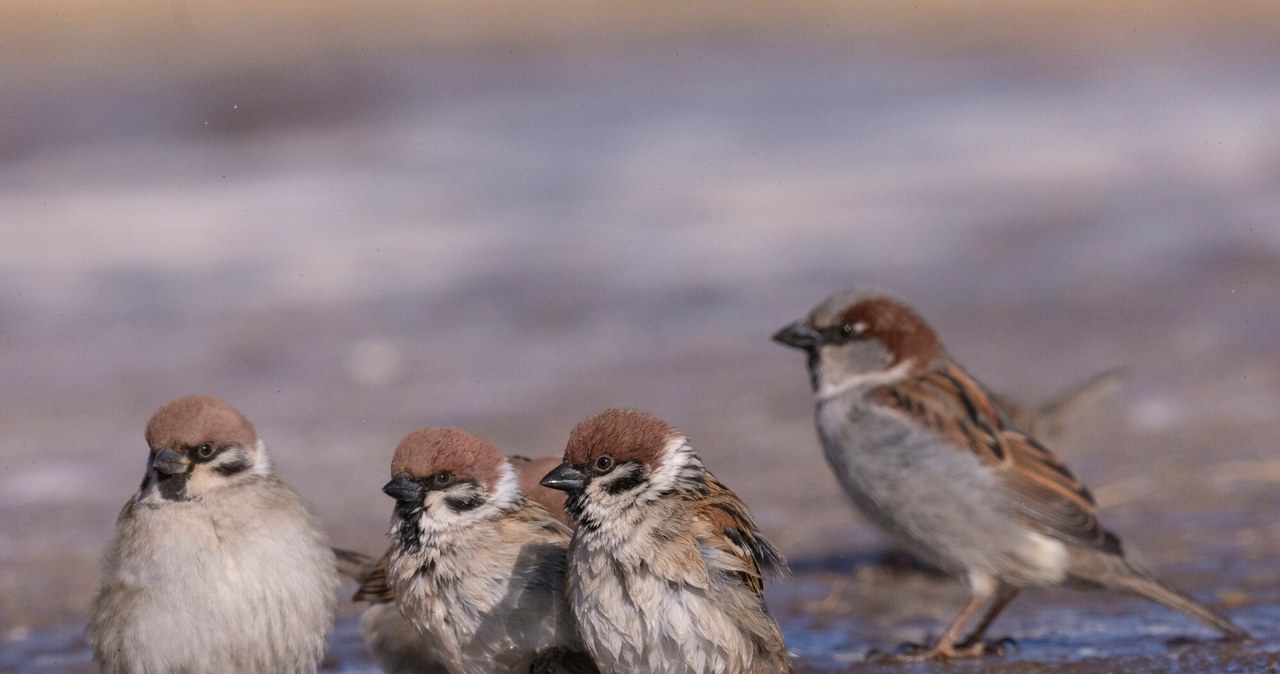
(948, 646)
(944, 648)
(974, 643)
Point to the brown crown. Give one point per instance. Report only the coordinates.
(625, 435)
(428, 451)
(902, 331)
(197, 419)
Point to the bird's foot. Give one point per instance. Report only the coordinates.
(978, 648)
(911, 652)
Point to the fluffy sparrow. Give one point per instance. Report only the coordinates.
(393, 642)
(666, 566)
(476, 566)
(921, 449)
(216, 565)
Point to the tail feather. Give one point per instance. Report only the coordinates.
(353, 565)
(1117, 573)
(1048, 419)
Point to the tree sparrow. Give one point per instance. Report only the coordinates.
(476, 566)
(216, 565)
(392, 640)
(922, 450)
(666, 566)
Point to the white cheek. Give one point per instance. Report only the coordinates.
(599, 503)
(202, 480)
(260, 459)
(676, 456)
(436, 514)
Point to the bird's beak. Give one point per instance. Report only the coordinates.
(798, 336)
(403, 488)
(168, 462)
(565, 478)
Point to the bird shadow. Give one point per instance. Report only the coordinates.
(894, 561)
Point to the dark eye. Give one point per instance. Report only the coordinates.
(844, 332)
(604, 464)
(205, 451)
(443, 478)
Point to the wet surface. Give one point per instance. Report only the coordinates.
(512, 243)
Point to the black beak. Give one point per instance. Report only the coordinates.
(404, 489)
(798, 336)
(565, 478)
(169, 462)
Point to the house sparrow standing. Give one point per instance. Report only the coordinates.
(216, 565)
(476, 566)
(389, 637)
(666, 566)
(921, 449)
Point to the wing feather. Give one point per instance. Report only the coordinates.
(730, 528)
(949, 402)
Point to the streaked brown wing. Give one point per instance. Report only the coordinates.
(727, 515)
(947, 401)
(529, 473)
(374, 587)
(546, 522)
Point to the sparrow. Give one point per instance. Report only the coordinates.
(216, 565)
(666, 565)
(922, 450)
(388, 636)
(476, 566)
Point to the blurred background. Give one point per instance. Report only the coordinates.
(352, 219)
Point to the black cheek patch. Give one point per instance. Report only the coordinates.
(631, 479)
(237, 466)
(464, 503)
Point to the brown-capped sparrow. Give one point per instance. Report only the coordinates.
(393, 642)
(216, 566)
(923, 451)
(666, 567)
(476, 566)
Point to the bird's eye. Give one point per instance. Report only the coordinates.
(443, 478)
(844, 332)
(604, 463)
(205, 451)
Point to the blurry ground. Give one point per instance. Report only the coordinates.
(348, 234)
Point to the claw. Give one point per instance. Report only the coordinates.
(999, 647)
(1004, 644)
(912, 652)
(905, 653)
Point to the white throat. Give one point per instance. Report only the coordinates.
(862, 382)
